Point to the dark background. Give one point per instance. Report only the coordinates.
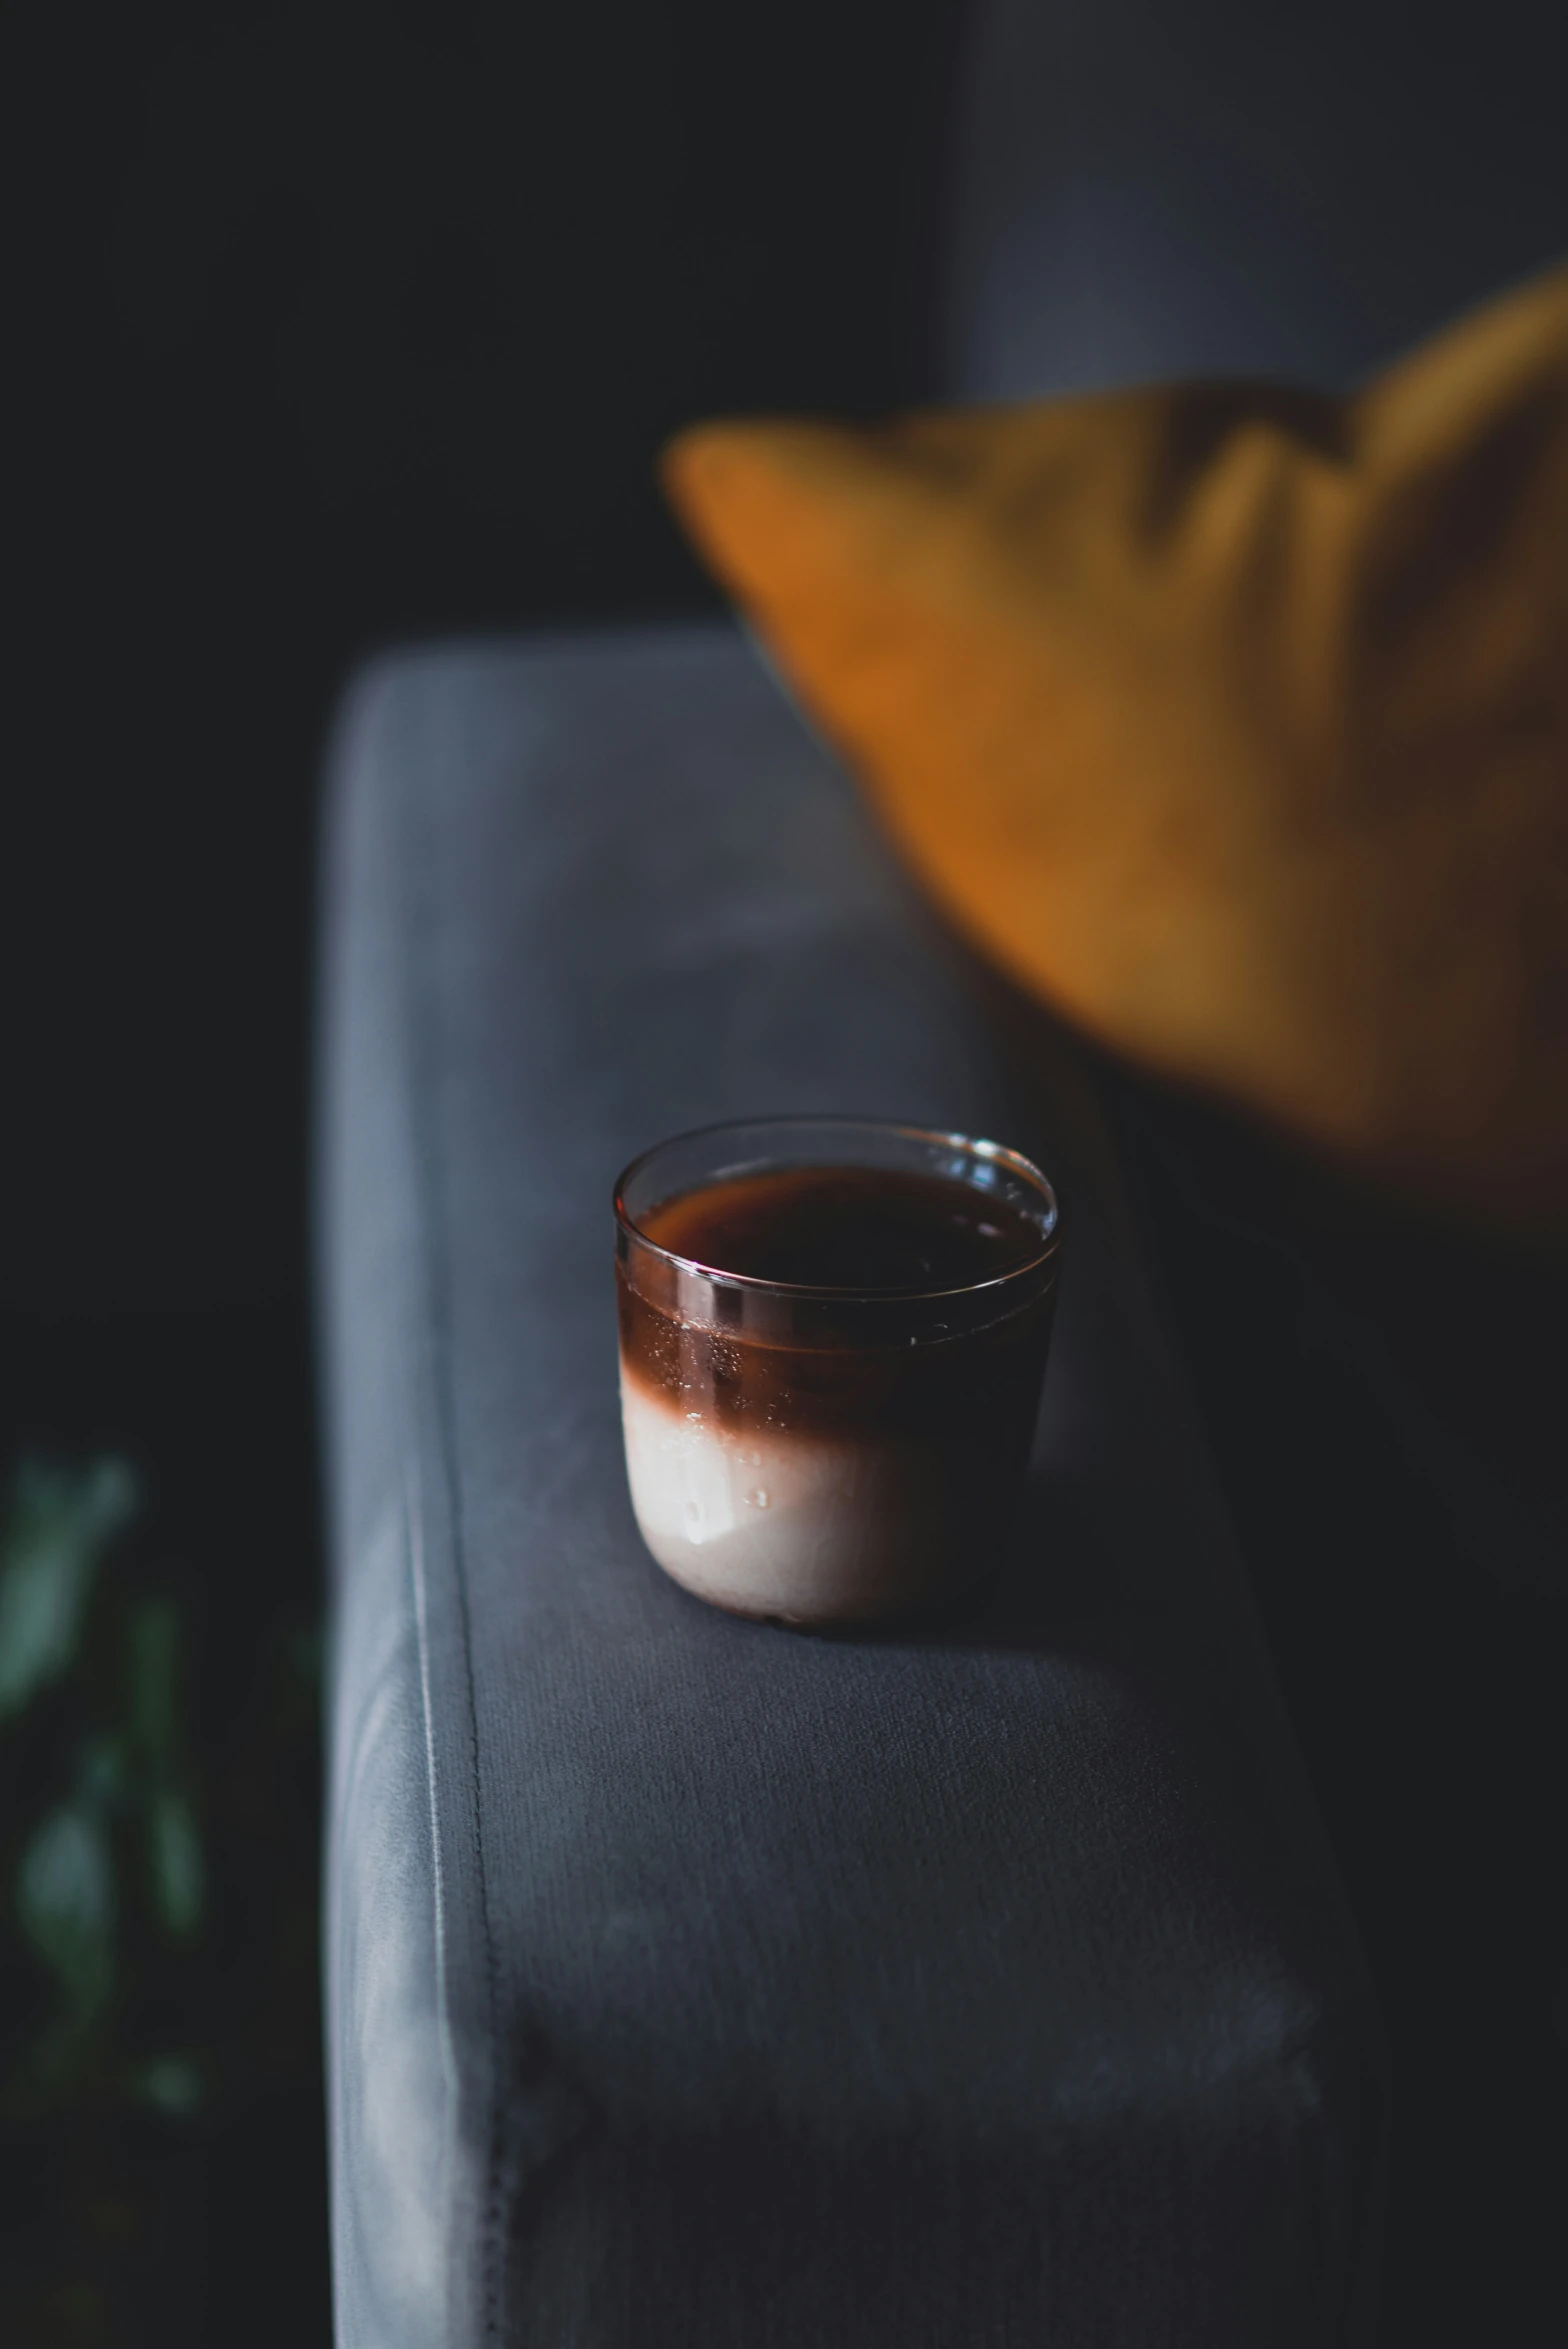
(345, 323)
(332, 325)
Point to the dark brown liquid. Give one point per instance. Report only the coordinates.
(863, 1229)
(871, 1354)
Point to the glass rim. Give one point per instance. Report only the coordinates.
(991, 1153)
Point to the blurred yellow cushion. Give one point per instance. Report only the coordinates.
(1231, 719)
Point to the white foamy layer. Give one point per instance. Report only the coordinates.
(794, 1526)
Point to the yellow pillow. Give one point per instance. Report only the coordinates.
(1232, 719)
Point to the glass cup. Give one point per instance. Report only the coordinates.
(819, 1454)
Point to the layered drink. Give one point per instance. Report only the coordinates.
(832, 1338)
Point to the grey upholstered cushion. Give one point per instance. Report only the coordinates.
(1142, 190)
(693, 1982)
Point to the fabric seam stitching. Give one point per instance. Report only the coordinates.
(427, 1201)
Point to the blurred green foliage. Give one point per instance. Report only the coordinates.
(157, 1937)
(58, 1529)
(106, 1862)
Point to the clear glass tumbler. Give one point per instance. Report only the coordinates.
(841, 1448)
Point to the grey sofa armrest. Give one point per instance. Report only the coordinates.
(690, 1981)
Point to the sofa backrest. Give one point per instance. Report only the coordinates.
(1296, 187)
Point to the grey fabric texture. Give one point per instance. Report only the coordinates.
(1221, 188)
(692, 1981)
